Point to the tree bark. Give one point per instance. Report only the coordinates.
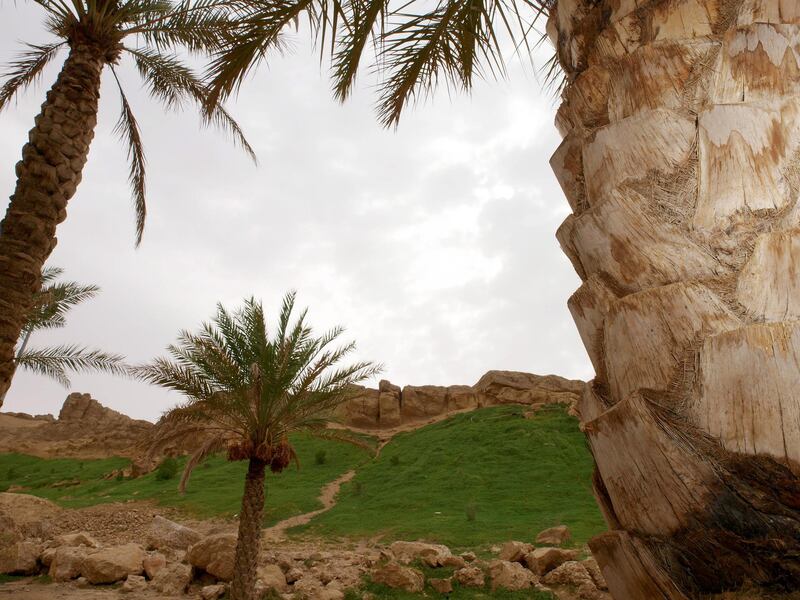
(248, 545)
(681, 163)
(47, 176)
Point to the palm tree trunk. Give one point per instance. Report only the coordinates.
(681, 162)
(248, 544)
(47, 176)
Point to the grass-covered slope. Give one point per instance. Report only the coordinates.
(477, 478)
(215, 488)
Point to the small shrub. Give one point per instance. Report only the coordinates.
(395, 460)
(167, 469)
(321, 457)
(471, 510)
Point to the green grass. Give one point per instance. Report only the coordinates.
(515, 476)
(214, 490)
(459, 593)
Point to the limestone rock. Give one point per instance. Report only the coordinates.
(555, 536)
(24, 516)
(362, 409)
(510, 576)
(511, 387)
(424, 401)
(212, 592)
(113, 564)
(272, 577)
(66, 563)
(544, 560)
(461, 397)
(591, 566)
(164, 533)
(443, 586)
(76, 539)
(172, 579)
(134, 584)
(433, 555)
(394, 575)
(153, 563)
(20, 558)
(47, 556)
(574, 575)
(470, 577)
(215, 555)
(389, 400)
(451, 560)
(515, 551)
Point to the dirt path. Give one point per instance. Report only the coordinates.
(277, 532)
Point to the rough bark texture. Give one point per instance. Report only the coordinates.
(47, 176)
(681, 163)
(243, 586)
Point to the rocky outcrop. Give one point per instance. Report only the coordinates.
(164, 533)
(84, 429)
(389, 406)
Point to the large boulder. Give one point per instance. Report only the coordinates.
(362, 409)
(66, 563)
(272, 578)
(510, 576)
(591, 566)
(173, 579)
(461, 397)
(513, 387)
(423, 401)
(555, 536)
(471, 576)
(434, 555)
(113, 564)
(153, 563)
(24, 516)
(574, 575)
(134, 584)
(215, 555)
(395, 575)
(389, 401)
(515, 551)
(164, 533)
(80, 538)
(20, 558)
(544, 560)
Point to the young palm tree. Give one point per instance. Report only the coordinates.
(246, 393)
(97, 34)
(680, 161)
(50, 305)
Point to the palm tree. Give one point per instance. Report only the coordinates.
(681, 126)
(246, 393)
(50, 305)
(98, 33)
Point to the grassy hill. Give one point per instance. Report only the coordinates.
(474, 479)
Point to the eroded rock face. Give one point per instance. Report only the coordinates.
(20, 558)
(215, 555)
(395, 575)
(66, 563)
(513, 387)
(23, 516)
(113, 564)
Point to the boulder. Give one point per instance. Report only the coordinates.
(153, 563)
(423, 401)
(213, 592)
(555, 536)
(66, 563)
(294, 574)
(164, 533)
(362, 409)
(470, 577)
(214, 554)
(20, 558)
(24, 516)
(451, 560)
(134, 584)
(461, 397)
(574, 575)
(432, 555)
(469, 556)
(47, 556)
(510, 576)
(515, 551)
(394, 575)
(113, 564)
(389, 401)
(512, 387)
(80, 538)
(544, 560)
(272, 578)
(591, 566)
(173, 579)
(442, 586)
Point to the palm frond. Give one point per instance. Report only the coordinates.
(365, 19)
(57, 361)
(53, 301)
(210, 445)
(26, 69)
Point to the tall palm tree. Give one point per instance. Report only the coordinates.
(680, 161)
(246, 392)
(50, 305)
(97, 33)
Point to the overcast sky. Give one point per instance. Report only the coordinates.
(433, 245)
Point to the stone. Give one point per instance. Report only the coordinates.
(172, 579)
(20, 558)
(574, 575)
(451, 560)
(164, 533)
(511, 576)
(443, 586)
(591, 566)
(153, 563)
(214, 554)
(113, 564)
(294, 574)
(544, 560)
(470, 577)
(423, 401)
(76, 539)
(555, 536)
(24, 516)
(47, 556)
(389, 411)
(66, 563)
(134, 584)
(394, 575)
(432, 555)
(515, 551)
(272, 578)
(512, 387)
(461, 397)
(213, 592)
(469, 556)
(362, 409)
(82, 582)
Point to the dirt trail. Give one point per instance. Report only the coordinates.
(277, 532)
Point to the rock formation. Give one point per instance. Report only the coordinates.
(389, 406)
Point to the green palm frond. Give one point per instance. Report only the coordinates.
(53, 301)
(26, 69)
(55, 362)
(365, 20)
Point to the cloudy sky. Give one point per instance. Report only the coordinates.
(433, 244)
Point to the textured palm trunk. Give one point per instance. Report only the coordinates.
(248, 545)
(47, 176)
(681, 162)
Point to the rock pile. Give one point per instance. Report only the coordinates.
(389, 406)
